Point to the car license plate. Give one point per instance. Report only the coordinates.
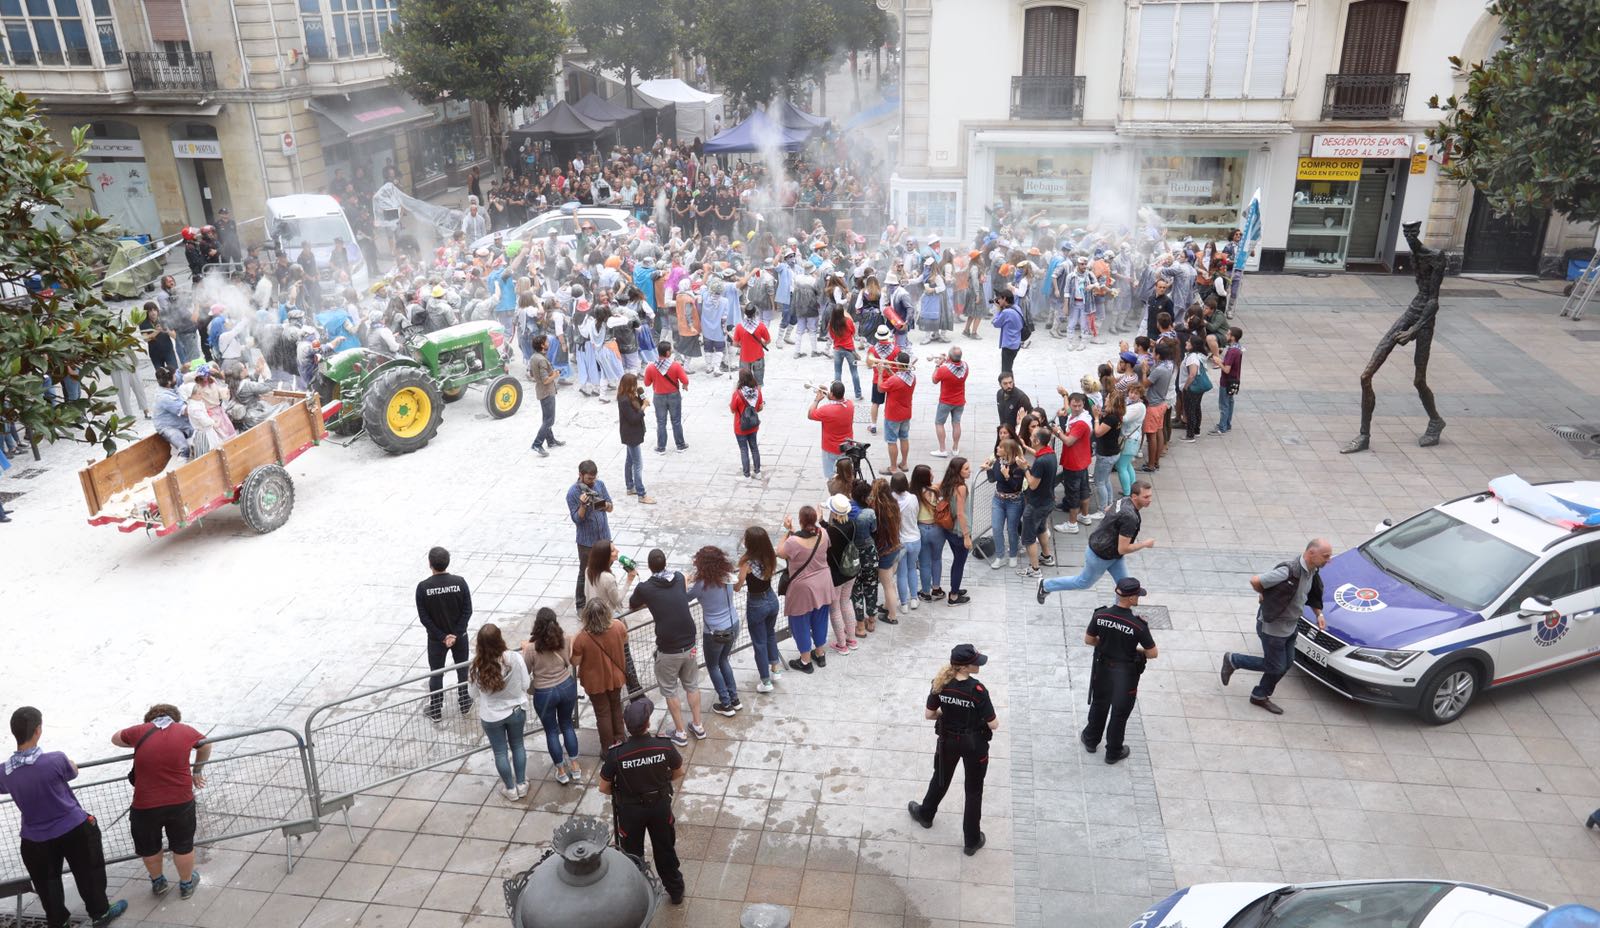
(1313, 652)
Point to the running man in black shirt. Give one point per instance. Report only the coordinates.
(966, 722)
(639, 775)
(1122, 644)
(444, 604)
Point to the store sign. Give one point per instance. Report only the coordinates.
(206, 148)
(1328, 169)
(1189, 188)
(114, 148)
(1419, 163)
(1361, 146)
(1044, 186)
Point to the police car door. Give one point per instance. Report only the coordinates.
(1570, 577)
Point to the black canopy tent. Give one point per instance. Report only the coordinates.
(629, 123)
(567, 131)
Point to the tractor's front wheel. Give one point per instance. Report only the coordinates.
(504, 397)
(402, 410)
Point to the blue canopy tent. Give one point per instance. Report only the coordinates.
(793, 117)
(756, 133)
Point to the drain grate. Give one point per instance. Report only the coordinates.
(1157, 617)
(1584, 437)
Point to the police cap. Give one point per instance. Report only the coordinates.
(637, 715)
(965, 654)
(1129, 586)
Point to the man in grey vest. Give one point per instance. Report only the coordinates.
(1284, 591)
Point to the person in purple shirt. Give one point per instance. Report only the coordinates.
(54, 827)
(1008, 319)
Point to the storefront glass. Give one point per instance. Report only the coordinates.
(932, 211)
(444, 148)
(1050, 183)
(1193, 193)
(1319, 224)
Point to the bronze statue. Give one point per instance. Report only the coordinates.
(1415, 324)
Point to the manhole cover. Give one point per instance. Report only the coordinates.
(1584, 437)
(1157, 616)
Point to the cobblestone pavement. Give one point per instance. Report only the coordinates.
(800, 800)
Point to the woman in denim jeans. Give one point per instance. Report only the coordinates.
(930, 535)
(757, 566)
(498, 680)
(631, 405)
(886, 540)
(910, 541)
(548, 654)
(1006, 471)
(1107, 447)
(713, 586)
(842, 335)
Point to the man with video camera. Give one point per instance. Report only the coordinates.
(588, 501)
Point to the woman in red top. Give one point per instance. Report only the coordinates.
(747, 396)
(842, 331)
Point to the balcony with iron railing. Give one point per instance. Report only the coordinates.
(178, 74)
(1365, 96)
(1042, 97)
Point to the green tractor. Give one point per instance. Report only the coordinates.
(399, 400)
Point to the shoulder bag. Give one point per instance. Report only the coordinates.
(142, 739)
(784, 575)
(1201, 382)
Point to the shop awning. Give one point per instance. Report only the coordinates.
(367, 111)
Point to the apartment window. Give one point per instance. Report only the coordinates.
(56, 32)
(347, 28)
(1218, 49)
(1049, 41)
(1372, 37)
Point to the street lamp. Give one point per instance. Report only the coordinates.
(582, 881)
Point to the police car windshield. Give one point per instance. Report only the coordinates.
(316, 230)
(1369, 905)
(1448, 559)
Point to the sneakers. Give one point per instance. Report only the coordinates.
(562, 777)
(699, 731)
(557, 443)
(914, 603)
(1011, 561)
(995, 563)
(796, 663)
(853, 644)
(1040, 593)
(765, 686)
(1086, 520)
(1092, 518)
(1047, 560)
(648, 500)
(1070, 527)
(938, 593)
(112, 913)
(840, 648)
(1227, 668)
(775, 672)
(661, 451)
(722, 709)
(821, 660)
(940, 454)
(522, 788)
(539, 450)
(187, 887)
(1188, 440)
(509, 794)
(159, 886)
(1216, 431)
(735, 703)
(680, 738)
(1030, 573)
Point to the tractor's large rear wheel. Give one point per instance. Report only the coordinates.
(402, 410)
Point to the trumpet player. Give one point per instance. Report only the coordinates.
(898, 389)
(950, 373)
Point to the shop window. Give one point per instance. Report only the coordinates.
(1194, 194)
(38, 32)
(358, 27)
(1217, 50)
(1050, 183)
(445, 147)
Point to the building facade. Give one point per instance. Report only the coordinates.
(193, 106)
(1123, 113)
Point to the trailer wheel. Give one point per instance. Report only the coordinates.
(402, 409)
(267, 498)
(504, 397)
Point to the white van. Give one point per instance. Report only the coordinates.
(317, 219)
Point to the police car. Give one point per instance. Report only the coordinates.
(1472, 594)
(1365, 903)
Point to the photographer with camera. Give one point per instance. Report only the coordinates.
(588, 501)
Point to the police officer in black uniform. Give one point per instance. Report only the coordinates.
(1122, 644)
(639, 774)
(965, 723)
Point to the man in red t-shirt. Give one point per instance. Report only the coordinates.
(838, 416)
(878, 357)
(951, 376)
(898, 389)
(752, 336)
(163, 792)
(666, 377)
(1076, 431)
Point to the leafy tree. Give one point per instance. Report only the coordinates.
(760, 49)
(630, 36)
(62, 331)
(501, 53)
(1523, 133)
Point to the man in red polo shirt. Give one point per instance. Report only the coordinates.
(951, 376)
(837, 416)
(878, 357)
(898, 389)
(1075, 429)
(667, 379)
(752, 336)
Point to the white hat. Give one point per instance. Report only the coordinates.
(839, 504)
(884, 333)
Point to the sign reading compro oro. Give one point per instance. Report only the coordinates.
(1328, 169)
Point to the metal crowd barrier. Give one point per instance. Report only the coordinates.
(256, 781)
(380, 736)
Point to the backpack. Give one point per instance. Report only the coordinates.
(942, 516)
(847, 561)
(1027, 324)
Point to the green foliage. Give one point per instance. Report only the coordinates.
(759, 49)
(1523, 132)
(501, 53)
(65, 331)
(630, 36)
